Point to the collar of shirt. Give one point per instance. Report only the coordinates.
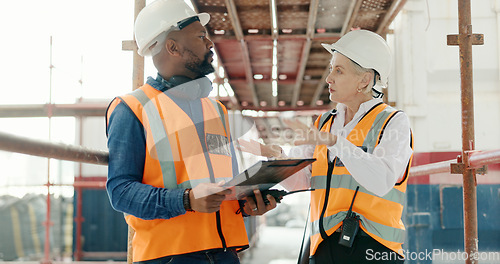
(338, 127)
(182, 87)
(161, 84)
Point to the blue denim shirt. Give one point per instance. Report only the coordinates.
(127, 151)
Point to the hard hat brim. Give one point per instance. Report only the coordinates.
(204, 18)
(332, 48)
(329, 47)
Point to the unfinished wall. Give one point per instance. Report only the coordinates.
(427, 74)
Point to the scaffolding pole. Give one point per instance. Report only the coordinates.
(467, 96)
(79, 201)
(137, 81)
(138, 71)
(465, 38)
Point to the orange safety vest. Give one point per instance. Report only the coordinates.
(380, 217)
(177, 158)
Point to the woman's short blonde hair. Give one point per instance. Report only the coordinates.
(360, 70)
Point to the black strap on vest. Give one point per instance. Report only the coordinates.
(331, 165)
(385, 125)
(304, 249)
(325, 117)
(367, 112)
(322, 122)
(408, 165)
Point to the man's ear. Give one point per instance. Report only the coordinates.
(171, 47)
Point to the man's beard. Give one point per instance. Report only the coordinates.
(196, 65)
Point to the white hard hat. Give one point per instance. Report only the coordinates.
(367, 49)
(158, 17)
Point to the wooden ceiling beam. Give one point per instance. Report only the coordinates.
(320, 87)
(311, 22)
(233, 99)
(352, 15)
(280, 82)
(235, 21)
(330, 37)
(393, 11)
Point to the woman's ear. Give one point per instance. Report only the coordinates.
(365, 79)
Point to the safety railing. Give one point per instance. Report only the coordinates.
(477, 160)
(60, 151)
(46, 149)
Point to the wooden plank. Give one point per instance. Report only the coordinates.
(235, 21)
(129, 45)
(353, 16)
(320, 87)
(393, 11)
(347, 20)
(313, 14)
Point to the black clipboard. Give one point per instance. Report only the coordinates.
(264, 175)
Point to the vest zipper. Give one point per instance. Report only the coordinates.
(219, 230)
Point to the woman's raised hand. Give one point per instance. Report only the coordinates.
(259, 149)
(309, 135)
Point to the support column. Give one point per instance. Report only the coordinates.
(137, 81)
(138, 72)
(465, 39)
(467, 95)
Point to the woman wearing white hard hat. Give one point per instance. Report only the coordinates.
(363, 151)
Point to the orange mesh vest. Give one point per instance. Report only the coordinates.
(177, 158)
(380, 216)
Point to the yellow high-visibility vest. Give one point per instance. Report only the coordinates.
(176, 157)
(380, 217)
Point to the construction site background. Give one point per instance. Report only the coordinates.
(87, 65)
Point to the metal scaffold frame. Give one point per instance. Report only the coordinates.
(465, 40)
(137, 81)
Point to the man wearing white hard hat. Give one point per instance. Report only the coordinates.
(363, 151)
(170, 149)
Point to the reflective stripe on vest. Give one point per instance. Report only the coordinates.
(154, 117)
(380, 216)
(187, 144)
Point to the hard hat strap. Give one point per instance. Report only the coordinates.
(376, 93)
(186, 22)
